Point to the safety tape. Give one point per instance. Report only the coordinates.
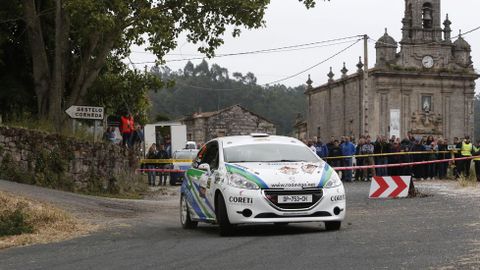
(403, 164)
(392, 154)
(346, 168)
(163, 161)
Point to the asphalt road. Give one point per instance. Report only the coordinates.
(440, 231)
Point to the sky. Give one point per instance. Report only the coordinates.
(289, 23)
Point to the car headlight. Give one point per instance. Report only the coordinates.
(239, 181)
(333, 182)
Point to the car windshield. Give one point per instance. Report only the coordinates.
(185, 155)
(269, 153)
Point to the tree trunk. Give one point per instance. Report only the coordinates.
(55, 95)
(90, 69)
(41, 70)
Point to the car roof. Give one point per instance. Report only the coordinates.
(257, 139)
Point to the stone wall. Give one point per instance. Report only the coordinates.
(60, 162)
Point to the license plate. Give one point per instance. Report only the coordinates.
(295, 198)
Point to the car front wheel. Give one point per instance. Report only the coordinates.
(226, 228)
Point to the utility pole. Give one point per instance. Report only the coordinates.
(365, 112)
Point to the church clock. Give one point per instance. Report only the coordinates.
(427, 61)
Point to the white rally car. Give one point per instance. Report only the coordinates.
(260, 179)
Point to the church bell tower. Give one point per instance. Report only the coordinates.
(422, 22)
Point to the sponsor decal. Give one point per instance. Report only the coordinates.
(309, 168)
(241, 200)
(288, 170)
(337, 198)
(292, 185)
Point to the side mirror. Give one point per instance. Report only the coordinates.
(205, 167)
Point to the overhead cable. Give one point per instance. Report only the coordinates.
(316, 65)
(303, 46)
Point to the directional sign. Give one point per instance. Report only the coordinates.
(85, 112)
(390, 186)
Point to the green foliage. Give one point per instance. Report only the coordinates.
(162, 117)
(89, 32)
(120, 89)
(127, 186)
(50, 168)
(14, 223)
(210, 88)
(10, 171)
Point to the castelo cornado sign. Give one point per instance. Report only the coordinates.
(85, 112)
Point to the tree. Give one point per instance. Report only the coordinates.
(69, 41)
(120, 90)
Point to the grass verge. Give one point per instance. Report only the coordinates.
(25, 222)
(464, 181)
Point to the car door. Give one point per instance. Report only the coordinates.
(202, 199)
(212, 159)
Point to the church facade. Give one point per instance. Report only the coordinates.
(424, 85)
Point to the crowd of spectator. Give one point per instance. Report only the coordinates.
(345, 151)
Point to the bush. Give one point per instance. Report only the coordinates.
(14, 223)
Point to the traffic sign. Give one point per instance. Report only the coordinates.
(85, 112)
(390, 186)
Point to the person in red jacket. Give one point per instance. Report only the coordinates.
(127, 128)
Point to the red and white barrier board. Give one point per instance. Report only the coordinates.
(390, 187)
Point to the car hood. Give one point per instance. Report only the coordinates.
(284, 174)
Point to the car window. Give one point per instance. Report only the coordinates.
(208, 154)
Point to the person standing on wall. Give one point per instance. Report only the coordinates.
(126, 128)
(466, 151)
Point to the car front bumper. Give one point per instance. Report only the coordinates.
(252, 206)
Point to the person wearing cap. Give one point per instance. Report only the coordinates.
(466, 151)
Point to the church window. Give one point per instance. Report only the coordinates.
(427, 13)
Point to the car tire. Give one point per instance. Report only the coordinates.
(226, 228)
(333, 225)
(185, 220)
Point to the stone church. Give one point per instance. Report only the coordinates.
(425, 85)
